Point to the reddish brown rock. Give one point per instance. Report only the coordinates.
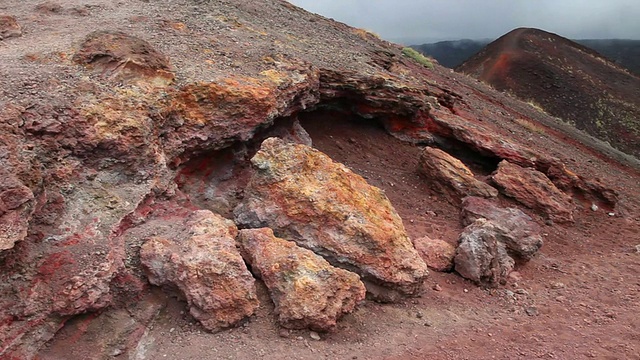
(534, 190)
(124, 57)
(306, 197)
(452, 175)
(517, 230)
(481, 257)
(201, 260)
(9, 27)
(307, 291)
(438, 254)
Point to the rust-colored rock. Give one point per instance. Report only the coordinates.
(16, 206)
(481, 257)
(534, 190)
(9, 27)
(204, 264)
(124, 57)
(438, 254)
(307, 291)
(518, 231)
(451, 174)
(306, 197)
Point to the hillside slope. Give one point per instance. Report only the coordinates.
(136, 137)
(567, 80)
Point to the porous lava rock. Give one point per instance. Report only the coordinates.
(450, 173)
(534, 190)
(438, 254)
(202, 261)
(9, 27)
(517, 230)
(307, 291)
(122, 56)
(16, 206)
(481, 257)
(323, 206)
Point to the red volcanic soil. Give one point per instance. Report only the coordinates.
(567, 80)
(578, 298)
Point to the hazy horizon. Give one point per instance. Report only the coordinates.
(413, 21)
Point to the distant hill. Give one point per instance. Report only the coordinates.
(623, 52)
(566, 79)
(453, 53)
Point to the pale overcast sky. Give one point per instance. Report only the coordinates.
(433, 20)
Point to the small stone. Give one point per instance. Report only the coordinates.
(522, 292)
(314, 335)
(419, 315)
(612, 214)
(428, 324)
(557, 285)
(638, 248)
(531, 311)
(283, 333)
(561, 298)
(437, 287)
(594, 207)
(465, 290)
(117, 352)
(172, 330)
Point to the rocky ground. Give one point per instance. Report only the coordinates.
(133, 161)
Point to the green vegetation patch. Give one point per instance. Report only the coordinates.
(421, 59)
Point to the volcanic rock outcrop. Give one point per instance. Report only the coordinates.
(202, 261)
(481, 256)
(517, 230)
(450, 173)
(323, 206)
(102, 131)
(534, 189)
(308, 292)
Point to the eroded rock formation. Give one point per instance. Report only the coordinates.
(517, 230)
(323, 206)
(201, 260)
(308, 292)
(534, 190)
(451, 174)
(481, 257)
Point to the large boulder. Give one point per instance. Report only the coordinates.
(438, 254)
(323, 206)
(481, 257)
(451, 174)
(201, 260)
(517, 230)
(534, 190)
(307, 291)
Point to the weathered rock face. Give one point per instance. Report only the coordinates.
(481, 257)
(308, 292)
(204, 264)
(438, 254)
(517, 230)
(9, 27)
(450, 173)
(534, 190)
(124, 57)
(306, 197)
(16, 206)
